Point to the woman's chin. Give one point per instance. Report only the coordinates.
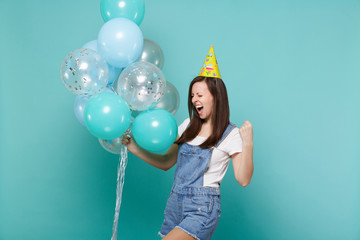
(205, 118)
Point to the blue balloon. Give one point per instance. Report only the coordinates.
(130, 9)
(120, 42)
(107, 116)
(114, 72)
(79, 107)
(109, 90)
(155, 130)
(91, 45)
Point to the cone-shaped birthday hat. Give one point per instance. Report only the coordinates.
(210, 67)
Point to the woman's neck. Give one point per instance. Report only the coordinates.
(207, 122)
(206, 129)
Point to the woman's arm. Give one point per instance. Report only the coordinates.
(164, 162)
(243, 162)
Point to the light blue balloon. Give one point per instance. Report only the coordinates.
(109, 90)
(120, 42)
(91, 45)
(155, 130)
(114, 72)
(79, 107)
(131, 9)
(107, 116)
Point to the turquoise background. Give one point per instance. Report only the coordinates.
(291, 69)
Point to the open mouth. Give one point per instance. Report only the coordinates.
(200, 109)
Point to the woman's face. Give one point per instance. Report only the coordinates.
(202, 99)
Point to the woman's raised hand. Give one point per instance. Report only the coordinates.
(246, 133)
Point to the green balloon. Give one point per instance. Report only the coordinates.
(133, 10)
(154, 130)
(107, 116)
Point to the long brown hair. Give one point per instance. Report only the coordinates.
(220, 113)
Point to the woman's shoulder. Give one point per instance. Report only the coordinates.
(233, 134)
(232, 142)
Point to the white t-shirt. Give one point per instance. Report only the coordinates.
(220, 157)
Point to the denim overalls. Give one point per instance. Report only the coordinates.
(191, 207)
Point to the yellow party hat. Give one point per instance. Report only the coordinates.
(210, 67)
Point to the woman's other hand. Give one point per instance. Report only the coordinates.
(127, 139)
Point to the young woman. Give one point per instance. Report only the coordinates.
(206, 141)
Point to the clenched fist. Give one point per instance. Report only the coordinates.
(246, 133)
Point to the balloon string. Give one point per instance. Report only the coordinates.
(120, 183)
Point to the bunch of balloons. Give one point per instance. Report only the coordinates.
(118, 81)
